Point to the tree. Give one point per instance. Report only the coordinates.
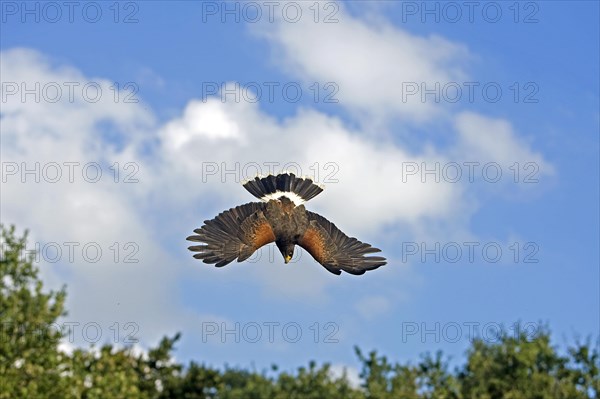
(105, 373)
(522, 367)
(313, 383)
(31, 365)
(428, 379)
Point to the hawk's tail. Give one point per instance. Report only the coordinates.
(297, 189)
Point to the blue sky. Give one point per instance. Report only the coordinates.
(175, 133)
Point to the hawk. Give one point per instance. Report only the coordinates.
(281, 218)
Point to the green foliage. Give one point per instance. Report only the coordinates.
(107, 373)
(313, 383)
(32, 366)
(30, 363)
(428, 379)
(520, 367)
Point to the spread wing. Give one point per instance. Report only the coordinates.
(235, 233)
(335, 250)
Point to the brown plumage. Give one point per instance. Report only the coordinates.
(239, 232)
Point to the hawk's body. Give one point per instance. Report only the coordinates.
(239, 232)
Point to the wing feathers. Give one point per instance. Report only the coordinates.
(233, 234)
(238, 232)
(335, 250)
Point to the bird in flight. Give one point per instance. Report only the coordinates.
(281, 218)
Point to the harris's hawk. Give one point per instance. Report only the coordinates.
(281, 218)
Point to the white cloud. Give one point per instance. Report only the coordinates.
(375, 65)
(494, 140)
(201, 122)
(359, 170)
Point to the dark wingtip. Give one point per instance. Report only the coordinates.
(222, 263)
(355, 272)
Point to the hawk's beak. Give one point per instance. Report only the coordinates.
(287, 258)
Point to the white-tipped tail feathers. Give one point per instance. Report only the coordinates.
(297, 189)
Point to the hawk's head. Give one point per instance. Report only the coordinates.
(286, 248)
